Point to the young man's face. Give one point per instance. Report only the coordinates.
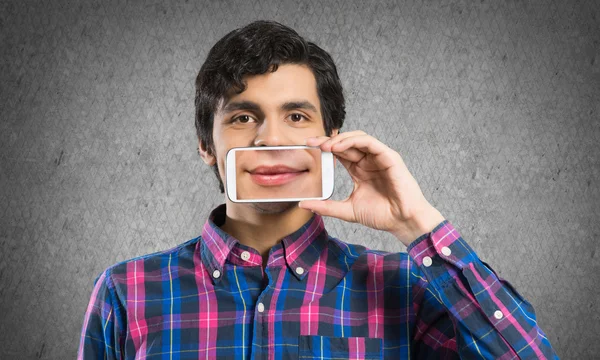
(277, 108)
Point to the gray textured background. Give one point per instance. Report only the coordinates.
(493, 105)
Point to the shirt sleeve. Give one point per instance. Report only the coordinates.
(464, 309)
(100, 336)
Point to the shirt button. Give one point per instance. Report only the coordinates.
(498, 314)
(261, 307)
(427, 261)
(245, 255)
(299, 270)
(216, 274)
(446, 251)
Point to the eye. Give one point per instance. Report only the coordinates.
(242, 119)
(297, 117)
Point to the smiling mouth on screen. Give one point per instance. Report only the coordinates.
(275, 175)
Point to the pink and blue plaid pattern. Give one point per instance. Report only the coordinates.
(319, 298)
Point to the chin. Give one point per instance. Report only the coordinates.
(274, 207)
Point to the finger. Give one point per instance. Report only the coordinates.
(337, 209)
(319, 140)
(383, 156)
(363, 143)
(353, 155)
(326, 146)
(351, 168)
(316, 141)
(346, 163)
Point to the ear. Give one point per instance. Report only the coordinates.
(206, 154)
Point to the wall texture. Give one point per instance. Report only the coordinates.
(493, 105)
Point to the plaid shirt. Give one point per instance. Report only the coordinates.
(319, 297)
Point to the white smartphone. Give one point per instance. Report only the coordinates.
(278, 173)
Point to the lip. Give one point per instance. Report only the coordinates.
(275, 175)
(276, 179)
(274, 170)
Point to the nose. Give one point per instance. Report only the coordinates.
(271, 133)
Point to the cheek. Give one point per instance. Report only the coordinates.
(221, 165)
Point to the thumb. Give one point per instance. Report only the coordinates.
(337, 209)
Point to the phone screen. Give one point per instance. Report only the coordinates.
(278, 174)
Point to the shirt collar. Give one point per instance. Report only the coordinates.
(301, 248)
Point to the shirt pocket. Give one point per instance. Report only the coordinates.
(325, 347)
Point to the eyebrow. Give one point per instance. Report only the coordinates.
(287, 106)
(293, 105)
(241, 105)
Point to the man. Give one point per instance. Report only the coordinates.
(266, 280)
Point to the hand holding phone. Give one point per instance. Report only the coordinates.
(279, 174)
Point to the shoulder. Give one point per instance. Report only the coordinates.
(148, 265)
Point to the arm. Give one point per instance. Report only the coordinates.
(466, 303)
(100, 334)
(465, 309)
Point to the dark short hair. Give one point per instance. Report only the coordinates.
(253, 50)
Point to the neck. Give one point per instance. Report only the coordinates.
(261, 226)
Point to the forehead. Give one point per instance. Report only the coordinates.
(289, 82)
